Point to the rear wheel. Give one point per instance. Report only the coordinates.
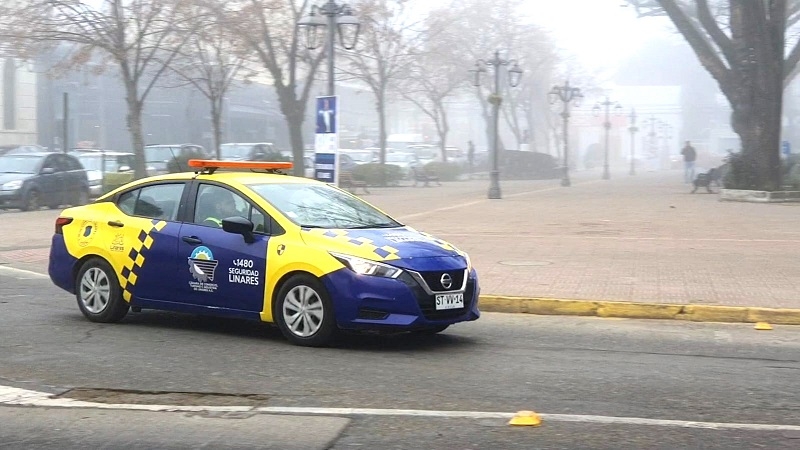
(98, 292)
(304, 313)
(32, 201)
(81, 198)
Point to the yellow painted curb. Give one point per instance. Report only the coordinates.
(637, 310)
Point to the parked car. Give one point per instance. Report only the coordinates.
(359, 156)
(308, 167)
(106, 170)
(406, 161)
(158, 156)
(17, 149)
(31, 180)
(258, 151)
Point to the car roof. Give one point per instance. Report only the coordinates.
(30, 154)
(240, 177)
(98, 153)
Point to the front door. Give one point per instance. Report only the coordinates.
(221, 270)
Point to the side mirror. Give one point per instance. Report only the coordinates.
(48, 170)
(239, 225)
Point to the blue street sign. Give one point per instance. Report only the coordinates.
(786, 148)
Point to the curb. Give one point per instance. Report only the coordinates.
(636, 310)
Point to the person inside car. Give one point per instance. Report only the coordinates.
(216, 205)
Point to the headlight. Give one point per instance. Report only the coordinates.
(12, 185)
(363, 266)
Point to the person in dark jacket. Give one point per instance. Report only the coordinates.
(689, 157)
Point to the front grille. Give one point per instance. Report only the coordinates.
(427, 303)
(434, 279)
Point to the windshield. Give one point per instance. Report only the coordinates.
(234, 151)
(19, 164)
(112, 163)
(321, 206)
(399, 157)
(159, 154)
(360, 156)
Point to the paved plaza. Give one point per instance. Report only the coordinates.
(641, 238)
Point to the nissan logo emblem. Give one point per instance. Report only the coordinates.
(446, 280)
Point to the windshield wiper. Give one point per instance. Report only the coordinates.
(374, 225)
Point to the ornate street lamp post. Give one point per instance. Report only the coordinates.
(606, 104)
(514, 74)
(340, 16)
(632, 128)
(566, 95)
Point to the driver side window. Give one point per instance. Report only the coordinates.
(215, 203)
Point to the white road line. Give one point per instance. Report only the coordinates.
(484, 200)
(22, 274)
(23, 397)
(611, 238)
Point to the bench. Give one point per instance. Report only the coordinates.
(347, 181)
(424, 176)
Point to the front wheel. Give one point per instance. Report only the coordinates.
(98, 292)
(304, 313)
(32, 201)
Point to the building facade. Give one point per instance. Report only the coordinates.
(17, 103)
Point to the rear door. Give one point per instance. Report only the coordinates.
(144, 240)
(51, 180)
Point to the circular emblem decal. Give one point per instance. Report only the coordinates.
(446, 280)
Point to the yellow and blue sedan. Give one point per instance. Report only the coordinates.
(253, 243)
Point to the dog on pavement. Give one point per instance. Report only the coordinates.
(706, 180)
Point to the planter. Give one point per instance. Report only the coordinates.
(741, 195)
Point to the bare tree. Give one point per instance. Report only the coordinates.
(743, 46)
(210, 62)
(267, 29)
(139, 37)
(389, 39)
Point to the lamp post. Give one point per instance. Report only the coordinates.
(514, 74)
(632, 128)
(606, 104)
(340, 16)
(566, 95)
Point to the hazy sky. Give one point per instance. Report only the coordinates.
(600, 33)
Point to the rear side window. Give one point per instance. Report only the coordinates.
(159, 201)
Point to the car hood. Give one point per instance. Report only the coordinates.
(6, 177)
(403, 246)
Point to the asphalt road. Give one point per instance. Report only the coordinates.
(722, 373)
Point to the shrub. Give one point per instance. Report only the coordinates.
(519, 165)
(740, 172)
(445, 171)
(377, 174)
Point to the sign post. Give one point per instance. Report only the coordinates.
(326, 145)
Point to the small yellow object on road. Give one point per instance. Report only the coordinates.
(763, 326)
(525, 418)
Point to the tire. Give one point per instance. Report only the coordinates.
(98, 292)
(82, 198)
(32, 201)
(431, 331)
(304, 312)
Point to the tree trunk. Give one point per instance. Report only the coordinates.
(216, 123)
(380, 104)
(134, 120)
(294, 112)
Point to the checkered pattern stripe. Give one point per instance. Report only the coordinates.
(385, 252)
(136, 258)
(438, 242)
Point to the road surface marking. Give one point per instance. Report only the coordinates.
(23, 397)
(22, 274)
(483, 200)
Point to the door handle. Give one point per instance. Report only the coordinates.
(116, 223)
(192, 240)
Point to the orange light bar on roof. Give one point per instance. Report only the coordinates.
(262, 165)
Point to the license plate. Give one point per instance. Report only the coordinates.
(449, 301)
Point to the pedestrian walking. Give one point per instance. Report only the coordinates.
(470, 157)
(689, 157)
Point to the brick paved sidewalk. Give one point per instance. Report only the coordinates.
(632, 238)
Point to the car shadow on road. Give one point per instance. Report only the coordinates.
(248, 329)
